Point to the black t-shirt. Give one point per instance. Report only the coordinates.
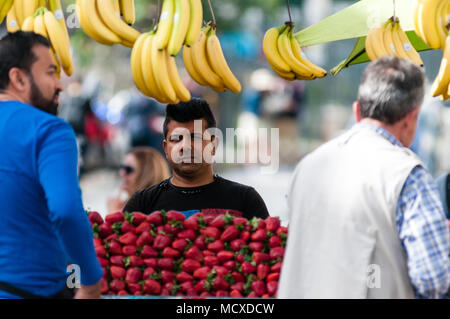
(219, 196)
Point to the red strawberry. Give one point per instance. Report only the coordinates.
(115, 217)
(184, 276)
(162, 241)
(259, 235)
(256, 246)
(114, 248)
(151, 262)
(262, 271)
(218, 221)
(100, 251)
(103, 262)
(190, 265)
(133, 275)
(117, 260)
(128, 239)
(201, 286)
(152, 287)
(135, 261)
(272, 224)
(230, 233)
(169, 252)
(235, 294)
(134, 288)
(272, 287)
(105, 273)
(222, 293)
(274, 241)
(259, 287)
(104, 286)
(216, 246)
(206, 294)
(144, 239)
(194, 253)
(248, 268)
(202, 273)
(98, 242)
(156, 218)
(187, 234)
(200, 242)
(257, 223)
(95, 218)
(172, 228)
(220, 270)
(143, 227)
(277, 252)
(211, 261)
(186, 286)
(230, 265)
(111, 238)
(138, 293)
(276, 267)
(167, 276)
(245, 236)
(148, 252)
(240, 221)
(220, 284)
(117, 272)
(260, 257)
(238, 286)
(129, 250)
(192, 223)
(127, 227)
(166, 263)
(147, 272)
(175, 215)
(117, 285)
(273, 277)
(282, 230)
(240, 258)
(180, 244)
(105, 230)
(137, 218)
(237, 244)
(212, 232)
(224, 256)
(207, 253)
(123, 293)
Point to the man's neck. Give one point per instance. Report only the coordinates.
(11, 96)
(184, 181)
(393, 129)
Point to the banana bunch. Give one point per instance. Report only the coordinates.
(431, 18)
(155, 71)
(389, 38)
(440, 85)
(206, 63)
(285, 56)
(179, 23)
(101, 20)
(5, 6)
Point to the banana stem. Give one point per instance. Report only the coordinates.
(212, 12)
(289, 10)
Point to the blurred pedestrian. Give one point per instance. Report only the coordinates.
(142, 167)
(42, 220)
(365, 218)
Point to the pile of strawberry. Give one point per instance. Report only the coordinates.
(165, 254)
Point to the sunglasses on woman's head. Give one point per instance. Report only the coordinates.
(128, 169)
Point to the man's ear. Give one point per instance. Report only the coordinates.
(357, 111)
(165, 146)
(18, 80)
(215, 143)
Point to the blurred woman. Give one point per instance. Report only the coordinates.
(142, 167)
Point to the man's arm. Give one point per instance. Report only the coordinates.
(57, 169)
(424, 233)
(135, 203)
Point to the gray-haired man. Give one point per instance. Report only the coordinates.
(366, 220)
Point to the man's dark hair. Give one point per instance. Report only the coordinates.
(184, 112)
(390, 89)
(16, 52)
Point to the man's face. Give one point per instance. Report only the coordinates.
(44, 83)
(185, 147)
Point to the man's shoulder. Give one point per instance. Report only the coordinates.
(149, 191)
(232, 185)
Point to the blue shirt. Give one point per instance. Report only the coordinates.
(422, 229)
(43, 225)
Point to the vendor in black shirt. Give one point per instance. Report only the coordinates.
(194, 187)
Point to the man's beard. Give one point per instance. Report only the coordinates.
(39, 101)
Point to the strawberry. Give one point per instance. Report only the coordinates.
(117, 260)
(202, 273)
(167, 276)
(193, 222)
(220, 270)
(207, 253)
(273, 277)
(211, 261)
(105, 273)
(169, 252)
(202, 286)
(248, 268)
(105, 230)
(257, 223)
(240, 258)
(220, 284)
(138, 293)
(272, 287)
(147, 272)
(259, 287)
(103, 262)
(115, 217)
(277, 252)
(104, 286)
(98, 242)
(175, 215)
(133, 275)
(235, 294)
(187, 286)
(259, 235)
(114, 248)
(152, 287)
(187, 234)
(117, 272)
(128, 239)
(266, 296)
(237, 244)
(117, 285)
(216, 246)
(166, 263)
(222, 293)
(262, 271)
(151, 262)
(259, 257)
(212, 232)
(191, 292)
(218, 222)
(184, 276)
(245, 236)
(230, 233)
(256, 246)
(206, 294)
(148, 252)
(200, 242)
(143, 227)
(194, 253)
(134, 288)
(137, 218)
(272, 224)
(230, 265)
(161, 241)
(240, 221)
(156, 218)
(276, 267)
(190, 265)
(135, 261)
(95, 218)
(282, 230)
(127, 227)
(144, 239)
(123, 293)
(238, 286)
(100, 251)
(274, 241)
(112, 237)
(173, 227)
(224, 256)
(179, 244)
(129, 250)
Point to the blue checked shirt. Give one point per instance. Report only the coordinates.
(423, 230)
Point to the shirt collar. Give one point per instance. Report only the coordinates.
(380, 131)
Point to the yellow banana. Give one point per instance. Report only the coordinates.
(181, 91)
(375, 47)
(160, 70)
(5, 6)
(289, 76)
(19, 7)
(427, 17)
(165, 24)
(270, 48)
(39, 25)
(387, 36)
(117, 25)
(443, 11)
(117, 8)
(57, 9)
(42, 3)
(93, 25)
(219, 64)
(189, 65)
(128, 11)
(403, 46)
(28, 24)
(418, 26)
(179, 27)
(136, 65)
(317, 71)
(195, 22)
(59, 41)
(442, 80)
(12, 24)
